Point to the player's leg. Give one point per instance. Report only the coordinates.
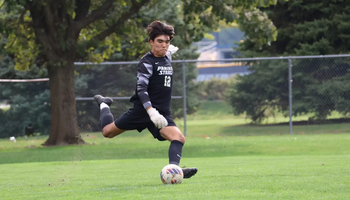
(177, 140)
(109, 129)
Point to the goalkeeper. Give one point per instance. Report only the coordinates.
(152, 97)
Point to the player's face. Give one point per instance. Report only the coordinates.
(160, 45)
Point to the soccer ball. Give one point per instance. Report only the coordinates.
(171, 174)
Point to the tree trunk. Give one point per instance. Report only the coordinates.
(64, 127)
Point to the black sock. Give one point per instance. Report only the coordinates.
(175, 152)
(106, 117)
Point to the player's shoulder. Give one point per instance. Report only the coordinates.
(147, 58)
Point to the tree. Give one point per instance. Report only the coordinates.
(261, 92)
(29, 101)
(319, 85)
(304, 28)
(56, 33)
(90, 81)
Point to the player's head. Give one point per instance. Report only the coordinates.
(157, 28)
(160, 35)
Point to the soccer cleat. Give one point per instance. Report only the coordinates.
(189, 172)
(100, 99)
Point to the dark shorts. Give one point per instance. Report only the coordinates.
(137, 118)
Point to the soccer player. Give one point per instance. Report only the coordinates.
(152, 97)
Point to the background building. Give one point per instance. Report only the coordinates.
(221, 47)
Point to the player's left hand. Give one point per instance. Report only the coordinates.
(158, 119)
(173, 49)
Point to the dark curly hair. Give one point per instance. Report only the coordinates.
(157, 28)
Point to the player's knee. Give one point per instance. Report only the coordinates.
(182, 139)
(106, 133)
(110, 131)
(171, 133)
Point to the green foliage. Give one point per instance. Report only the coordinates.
(305, 28)
(108, 80)
(215, 89)
(256, 95)
(29, 101)
(258, 28)
(108, 23)
(53, 34)
(251, 20)
(121, 80)
(320, 86)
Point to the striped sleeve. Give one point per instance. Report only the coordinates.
(144, 73)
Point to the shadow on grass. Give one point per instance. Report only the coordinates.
(314, 122)
(328, 126)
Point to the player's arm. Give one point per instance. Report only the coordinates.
(144, 73)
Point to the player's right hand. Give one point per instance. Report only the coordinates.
(158, 119)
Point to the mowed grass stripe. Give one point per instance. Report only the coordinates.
(207, 146)
(239, 177)
(235, 161)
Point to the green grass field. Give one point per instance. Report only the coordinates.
(235, 161)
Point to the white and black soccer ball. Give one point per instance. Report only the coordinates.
(171, 174)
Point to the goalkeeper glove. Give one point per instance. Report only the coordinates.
(158, 119)
(173, 49)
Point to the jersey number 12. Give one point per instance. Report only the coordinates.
(167, 81)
